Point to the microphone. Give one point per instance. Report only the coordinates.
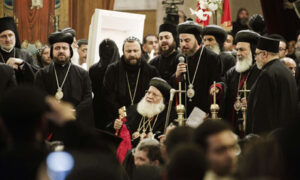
(182, 60)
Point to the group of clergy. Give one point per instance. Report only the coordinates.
(189, 55)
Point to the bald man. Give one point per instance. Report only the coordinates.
(290, 64)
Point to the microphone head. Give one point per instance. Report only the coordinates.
(181, 59)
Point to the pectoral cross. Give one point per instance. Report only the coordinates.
(244, 108)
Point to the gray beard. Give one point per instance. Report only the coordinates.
(149, 110)
(215, 48)
(243, 65)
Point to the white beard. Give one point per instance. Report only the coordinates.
(259, 65)
(243, 65)
(149, 110)
(215, 48)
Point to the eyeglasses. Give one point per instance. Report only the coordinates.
(282, 49)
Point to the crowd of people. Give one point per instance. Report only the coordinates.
(117, 119)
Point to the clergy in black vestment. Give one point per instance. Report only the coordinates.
(214, 37)
(245, 71)
(126, 81)
(202, 67)
(166, 62)
(66, 81)
(273, 98)
(10, 53)
(241, 22)
(109, 53)
(7, 79)
(147, 118)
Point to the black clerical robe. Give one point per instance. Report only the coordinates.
(272, 100)
(166, 66)
(157, 123)
(228, 61)
(26, 72)
(77, 88)
(209, 70)
(116, 86)
(97, 72)
(234, 81)
(7, 78)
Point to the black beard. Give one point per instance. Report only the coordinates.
(127, 61)
(61, 62)
(168, 52)
(243, 21)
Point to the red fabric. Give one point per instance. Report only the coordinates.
(219, 95)
(226, 21)
(34, 24)
(49, 137)
(243, 79)
(125, 145)
(201, 22)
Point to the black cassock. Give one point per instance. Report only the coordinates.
(134, 119)
(7, 78)
(26, 73)
(234, 81)
(209, 70)
(272, 100)
(116, 85)
(96, 73)
(228, 61)
(77, 88)
(166, 66)
(109, 53)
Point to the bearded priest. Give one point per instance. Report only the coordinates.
(146, 119)
(244, 71)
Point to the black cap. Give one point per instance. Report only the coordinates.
(190, 27)
(217, 31)
(169, 28)
(8, 23)
(278, 37)
(257, 23)
(247, 36)
(268, 44)
(70, 30)
(161, 85)
(60, 37)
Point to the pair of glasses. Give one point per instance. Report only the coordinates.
(282, 49)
